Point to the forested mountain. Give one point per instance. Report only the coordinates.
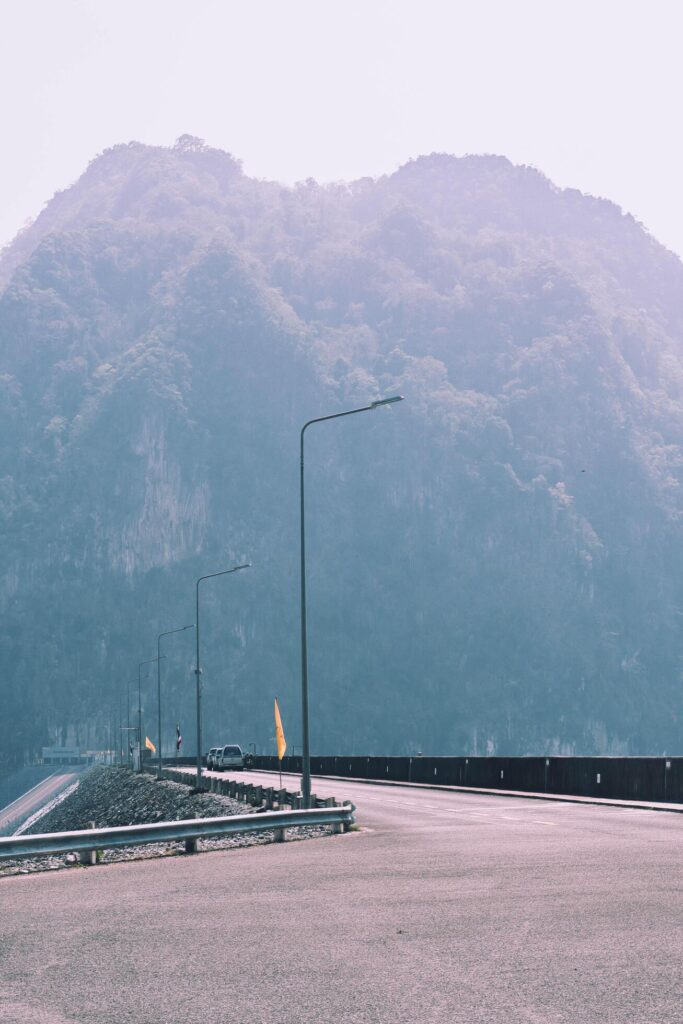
(494, 565)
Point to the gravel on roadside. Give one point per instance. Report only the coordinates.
(115, 796)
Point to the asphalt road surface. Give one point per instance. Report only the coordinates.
(445, 907)
(31, 801)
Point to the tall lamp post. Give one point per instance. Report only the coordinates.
(128, 725)
(168, 632)
(119, 738)
(150, 661)
(198, 671)
(306, 751)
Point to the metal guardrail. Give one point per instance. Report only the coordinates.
(257, 795)
(189, 830)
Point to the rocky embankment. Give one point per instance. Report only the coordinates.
(116, 796)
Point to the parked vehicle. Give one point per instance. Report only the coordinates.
(211, 757)
(229, 756)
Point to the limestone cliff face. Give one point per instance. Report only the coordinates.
(172, 520)
(494, 566)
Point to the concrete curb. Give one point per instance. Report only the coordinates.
(640, 805)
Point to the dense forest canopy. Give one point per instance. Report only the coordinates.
(494, 565)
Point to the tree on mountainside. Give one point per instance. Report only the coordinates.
(189, 144)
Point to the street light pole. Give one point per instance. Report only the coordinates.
(198, 671)
(150, 661)
(306, 751)
(180, 629)
(118, 735)
(128, 757)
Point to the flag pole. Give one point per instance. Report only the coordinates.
(280, 738)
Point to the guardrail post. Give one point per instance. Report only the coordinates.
(280, 835)
(337, 827)
(191, 844)
(257, 796)
(346, 825)
(88, 856)
(268, 796)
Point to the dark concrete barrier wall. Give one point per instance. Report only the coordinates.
(171, 762)
(618, 778)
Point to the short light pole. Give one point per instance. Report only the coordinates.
(128, 730)
(198, 671)
(150, 661)
(306, 750)
(168, 632)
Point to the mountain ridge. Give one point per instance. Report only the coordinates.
(167, 326)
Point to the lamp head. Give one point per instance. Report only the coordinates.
(386, 401)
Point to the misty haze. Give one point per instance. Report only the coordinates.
(494, 566)
(341, 512)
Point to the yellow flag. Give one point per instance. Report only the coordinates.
(150, 745)
(279, 734)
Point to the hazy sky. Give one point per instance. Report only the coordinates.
(588, 91)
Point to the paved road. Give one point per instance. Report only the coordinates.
(30, 802)
(446, 907)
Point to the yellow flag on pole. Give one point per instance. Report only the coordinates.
(150, 745)
(279, 734)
